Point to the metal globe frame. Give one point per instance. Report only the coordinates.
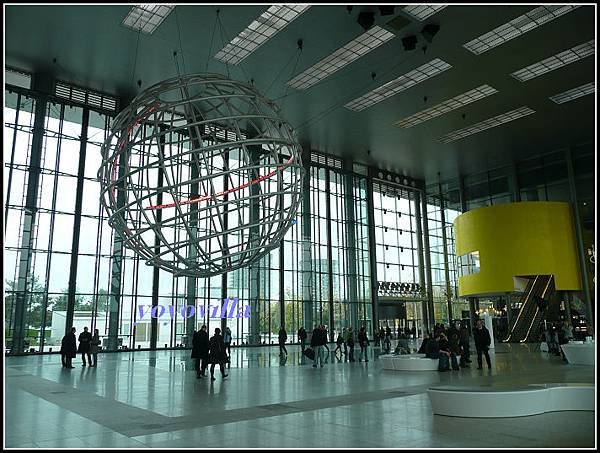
(201, 175)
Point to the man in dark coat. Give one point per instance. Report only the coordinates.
(85, 340)
(282, 339)
(203, 349)
(68, 348)
(196, 352)
(302, 335)
(482, 343)
(217, 353)
(463, 334)
(363, 342)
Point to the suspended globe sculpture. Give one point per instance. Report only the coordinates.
(201, 175)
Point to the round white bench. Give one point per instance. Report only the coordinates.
(580, 353)
(409, 362)
(493, 402)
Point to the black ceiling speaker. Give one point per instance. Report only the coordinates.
(429, 31)
(366, 19)
(410, 42)
(386, 10)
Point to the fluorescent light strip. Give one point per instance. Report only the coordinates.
(147, 18)
(486, 124)
(556, 61)
(267, 25)
(422, 12)
(447, 106)
(574, 93)
(517, 27)
(399, 84)
(355, 49)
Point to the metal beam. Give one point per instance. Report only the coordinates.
(372, 252)
(427, 254)
(29, 219)
(581, 252)
(445, 250)
(420, 252)
(77, 223)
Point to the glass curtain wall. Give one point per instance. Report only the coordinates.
(280, 272)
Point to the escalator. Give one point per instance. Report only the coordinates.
(525, 327)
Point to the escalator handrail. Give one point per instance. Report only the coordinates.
(537, 309)
(523, 306)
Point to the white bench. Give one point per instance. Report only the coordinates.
(409, 362)
(580, 354)
(490, 402)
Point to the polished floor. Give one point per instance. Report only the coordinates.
(153, 399)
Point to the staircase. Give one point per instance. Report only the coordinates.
(525, 327)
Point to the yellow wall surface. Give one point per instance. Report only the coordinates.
(518, 239)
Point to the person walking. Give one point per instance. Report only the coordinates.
(227, 341)
(85, 339)
(282, 339)
(345, 336)
(94, 346)
(482, 343)
(363, 342)
(302, 335)
(68, 348)
(217, 354)
(339, 342)
(388, 340)
(350, 341)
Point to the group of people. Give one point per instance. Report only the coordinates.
(556, 334)
(213, 351)
(447, 344)
(88, 345)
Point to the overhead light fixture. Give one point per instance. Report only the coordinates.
(516, 27)
(447, 106)
(146, 18)
(345, 55)
(556, 61)
(487, 124)
(366, 19)
(404, 82)
(387, 10)
(267, 25)
(410, 42)
(574, 93)
(429, 31)
(422, 12)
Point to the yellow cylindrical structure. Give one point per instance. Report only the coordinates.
(515, 240)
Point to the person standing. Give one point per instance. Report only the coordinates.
(196, 353)
(345, 337)
(315, 344)
(217, 353)
(482, 343)
(302, 336)
(363, 342)
(203, 349)
(94, 346)
(227, 342)
(388, 340)
(463, 335)
(282, 339)
(68, 348)
(85, 339)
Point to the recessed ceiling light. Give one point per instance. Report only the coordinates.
(399, 84)
(147, 18)
(447, 106)
(422, 12)
(486, 124)
(574, 93)
(355, 49)
(556, 61)
(516, 27)
(267, 25)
